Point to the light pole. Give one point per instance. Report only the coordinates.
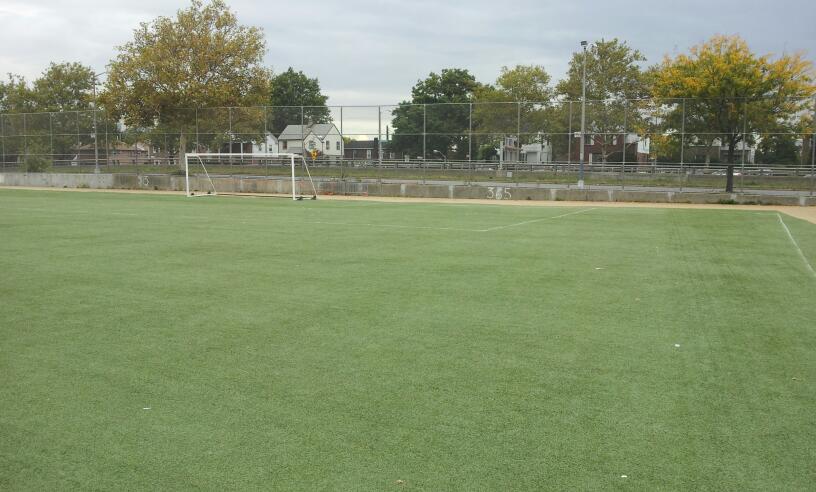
(583, 118)
(96, 133)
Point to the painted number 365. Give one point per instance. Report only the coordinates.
(498, 193)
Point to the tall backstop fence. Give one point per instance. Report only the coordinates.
(769, 143)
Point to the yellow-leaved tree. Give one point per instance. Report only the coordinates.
(201, 58)
(732, 94)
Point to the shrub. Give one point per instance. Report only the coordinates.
(36, 163)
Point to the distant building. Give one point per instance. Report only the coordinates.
(637, 148)
(367, 150)
(538, 153)
(269, 146)
(116, 154)
(698, 151)
(323, 137)
(509, 150)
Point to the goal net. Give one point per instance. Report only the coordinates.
(203, 171)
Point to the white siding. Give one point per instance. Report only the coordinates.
(333, 137)
(312, 141)
(270, 147)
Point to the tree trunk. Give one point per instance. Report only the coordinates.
(182, 150)
(729, 180)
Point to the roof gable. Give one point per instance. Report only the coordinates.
(297, 132)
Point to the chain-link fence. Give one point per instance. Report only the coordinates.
(678, 143)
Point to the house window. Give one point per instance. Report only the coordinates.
(311, 145)
(368, 154)
(284, 144)
(338, 145)
(328, 145)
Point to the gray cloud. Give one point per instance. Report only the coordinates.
(369, 52)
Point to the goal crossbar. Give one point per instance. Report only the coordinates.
(200, 157)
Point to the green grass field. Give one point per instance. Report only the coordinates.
(159, 342)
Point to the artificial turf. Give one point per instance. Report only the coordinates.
(159, 342)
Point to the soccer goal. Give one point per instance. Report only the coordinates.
(200, 168)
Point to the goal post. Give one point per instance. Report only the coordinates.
(199, 169)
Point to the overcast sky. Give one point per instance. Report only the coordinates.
(367, 52)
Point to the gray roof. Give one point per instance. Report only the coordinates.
(296, 132)
(361, 144)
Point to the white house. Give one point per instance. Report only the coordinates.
(323, 137)
(268, 145)
(508, 149)
(539, 153)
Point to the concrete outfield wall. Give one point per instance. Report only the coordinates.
(282, 185)
(58, 180)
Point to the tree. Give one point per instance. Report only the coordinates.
(613, 78)
(69, 87)
(15, 98)
(291, 90)
(446, 117)
(15, 95)
(46, 130)
(201, 58)
(778, 149)
(517, 103)
(734, 93)
(65, 87)
(525, 83)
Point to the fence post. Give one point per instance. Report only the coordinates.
(569, 138)
(379, 136)
(25, 137)
(518, 132)
(623, 146)
(96, 142)
(470, 142)
(302, 136)
(682, 144)
(470, 132)
(3, 139)
(812, 162)
(342, 149)
(265, 133)
(813, 153)
(813, 156)
(744, 144)
(79, 144)
(51, 135)
(424, 138)
(197, 136)
(107, 147)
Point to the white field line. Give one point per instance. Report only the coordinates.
(796, 245)
(397, 226)
(536, 220)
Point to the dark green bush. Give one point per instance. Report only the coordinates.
(36, 163)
